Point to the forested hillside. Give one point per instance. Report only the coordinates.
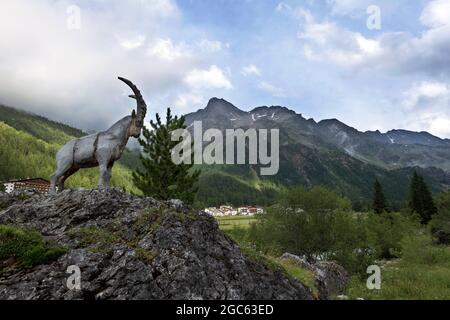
(38, 126)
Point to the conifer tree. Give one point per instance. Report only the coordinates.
(415, 200)
(160, 177)
(379, 200)
(420, 199)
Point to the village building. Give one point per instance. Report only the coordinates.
(213, 211)
(38, 184)
(250, 210)
(230, 211)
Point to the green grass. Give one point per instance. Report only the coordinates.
(288, 267)
(293, 270)
(146, 255)
(27, 247)
(423, 273)
(230, 222)
(101, 240)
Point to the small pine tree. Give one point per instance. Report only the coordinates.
(160, 177)
(415, 200)
(429, 208)
(420, 199)
(379, 200)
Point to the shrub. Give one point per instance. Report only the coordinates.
(440, 224)
(339, 236)
(314, 199)
(329, 232)
(27, 246)
(386, 231)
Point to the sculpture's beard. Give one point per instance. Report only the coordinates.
(135, 130)
(137, 133)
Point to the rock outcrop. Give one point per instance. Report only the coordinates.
(331, 279)
(128, 247)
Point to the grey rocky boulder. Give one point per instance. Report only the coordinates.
(331, 279)
(129, 247)
(8, 199)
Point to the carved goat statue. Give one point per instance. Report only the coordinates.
(101, 149)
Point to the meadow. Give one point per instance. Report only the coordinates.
(230, 222)
(413, 265)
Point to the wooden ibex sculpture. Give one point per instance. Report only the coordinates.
(101, 149)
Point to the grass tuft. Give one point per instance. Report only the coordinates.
(27, 247)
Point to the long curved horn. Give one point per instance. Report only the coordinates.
(141, 106)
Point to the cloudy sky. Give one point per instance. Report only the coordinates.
(324, 59)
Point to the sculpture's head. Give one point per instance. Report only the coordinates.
(137, 117)
(135, 126)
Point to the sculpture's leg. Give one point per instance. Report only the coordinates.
(103, 178)
(56, 178)
(52, 190)
(109, 175)
(63, 179)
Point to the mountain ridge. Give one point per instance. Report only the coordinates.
(221, 104)
(328, 152)
(332, 130)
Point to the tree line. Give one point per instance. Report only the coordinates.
(420, 200)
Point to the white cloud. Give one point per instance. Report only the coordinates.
(189, 101)
(427, 107)
(329, 42)
(270, 88)
(251, 70)
(212, 78)
(436, 14)
(297, 12)
(133, 43)
(349, 7)
(436, 123)
(211, 45)
(427, 94)
(393, 52)
(440, 126)
(166, 8)
(71, 75)
(166, 49)
(283, 7)
(358, 8)
(389, 56)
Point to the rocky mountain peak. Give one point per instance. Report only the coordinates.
(217, 105)
(279, 109)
